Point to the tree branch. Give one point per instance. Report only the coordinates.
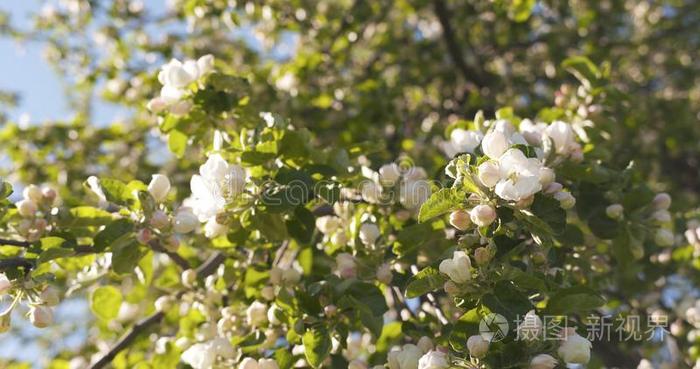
(174, 256)
(16, 263)
(469, 74)
(7, 242)
(204, 270)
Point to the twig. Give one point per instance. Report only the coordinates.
(174, 256)
(469, 74)
(204, 270)
(16, 263)
(6, 242)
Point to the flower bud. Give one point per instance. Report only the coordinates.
(661, 216)
(49, 194)
(478, 346)
(268, 293)
(26, 208)
(614, 211)
(159, 220)
(159, 187)
(156, 105)
(425, 344)
(164, 303)
(547, 176)
(33, 193)
(345, 265)
(483, 215)
(482, 256)
(185, 221)
(369, 233)
(460, 220)
(172, 243)
(181, 108)
(389, 173)
(664, 237)
(451, 288)
(566, 199)
(49, 296)
(330, 310)
(265, 363)
(248, 363)
(543, 361)
(189, 278)
(40, 316)
(144, 235)
(530, 328)
(5, 322)
(662, 201)
(553, 188)
(384, 274)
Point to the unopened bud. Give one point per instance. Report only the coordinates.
(483, 215)
(144, 235)
(26, 208)
(330, 310)
(662, 201)
(482, 256)
(40, 316)
(189, 278)
(159, 220)
(460, 220)
(614, 211)
(664, 237)
(164, 303)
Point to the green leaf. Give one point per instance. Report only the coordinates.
(317, 345)
(177, 142)
(573, 300)
(284, 358)
(507, 300)
(126, 256)
(105, 302)
(583, 69)
(548, 209)
(114, 231)
(5, 190)
(427, 280)
(520, 10)
(115, 191)
(440, 202)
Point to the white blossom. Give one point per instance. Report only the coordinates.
(256, 314)
(563, 136)
(483, 215)
(159, 187)
(216, 183)
(40, 316)
(213, 229)
(494, 144)
(543, 361)
(463, 140)
(5, 283)
(185, 220)
(369, 233)
(389, 173)
(328, 224)
(520, 176)
(345, 264)
(457, 268)
(433, 360)
(489, 173)
(530, 328)
(575, 349)
(478, 346)
(614, 211)
(405, 358)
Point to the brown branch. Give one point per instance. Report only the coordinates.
(204, 270)
(174, 256)
(470, 74)
(17, 262)
(7, 242)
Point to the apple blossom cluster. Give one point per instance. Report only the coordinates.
(659, 218)
(411, 184)
(34, 208)
(39, 297)
(217, 185)
(176, 77)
